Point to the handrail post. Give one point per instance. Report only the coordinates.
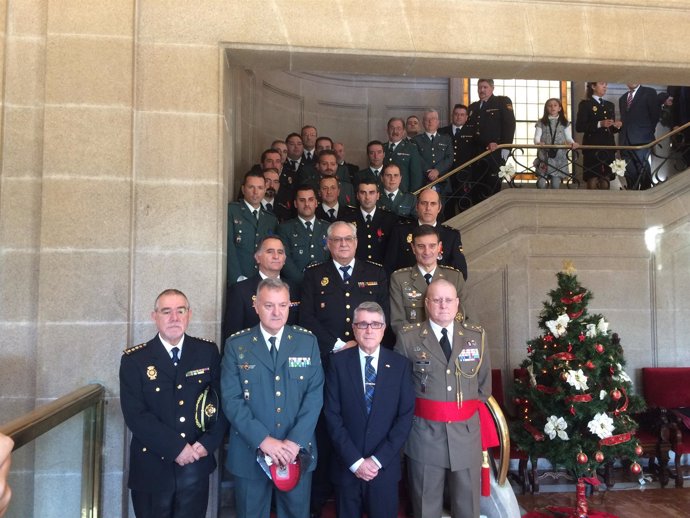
(92, 461)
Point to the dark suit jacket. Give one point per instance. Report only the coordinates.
(345, 213)
(239, 306)
(464, 148)
(373, 238)
(328, 304)
(158, 403)
(401, 256)
(383, 432)
(639, 123)
(493, 122)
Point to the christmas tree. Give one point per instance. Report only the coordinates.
(575, 400)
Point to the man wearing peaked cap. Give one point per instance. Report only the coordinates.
(168, 393)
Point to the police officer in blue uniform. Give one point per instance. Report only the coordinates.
(272, 392)
(169, 390)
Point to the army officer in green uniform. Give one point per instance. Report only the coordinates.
(272, 393)
(408, 285)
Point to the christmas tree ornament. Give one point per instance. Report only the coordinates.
(638, 450)
(635, 468)
(599, 457)
(616, 394)
(599, 348)
(582, 458)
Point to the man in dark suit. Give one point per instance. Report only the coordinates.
(640, 110)
(309, 136)
(330, 293)
(463, 151)
(273, 201)
(428, 210)
(272, 393)
(373, 170)
(453, 427)
(403, 153)
(161, 381)
(493, 121)
(374, 226)
(435, 150)
(248, 222)
(369, 405)
(239, 304)
(330, 209)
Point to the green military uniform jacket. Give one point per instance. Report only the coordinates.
(301, 247)
(407, 292)
(403, 204)
(244, 233)
(454, 445)
(406, 157)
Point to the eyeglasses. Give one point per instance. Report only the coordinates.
(364, 325)
(439, 301)
(348, 240)
(166, 312)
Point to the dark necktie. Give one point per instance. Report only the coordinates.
(369, 383)
(292, 165)
(630, 98)
(175, 355)
(481, 105)
(427, 277)
(255, 213)
(445, 343)
(368, 218)
(308, 155)
(274, 350)
(391, 147)
(391, 196)
(432, 139)
(346, 272)
(331, 214)
(457, 132)
(308, 225)
(269, 207)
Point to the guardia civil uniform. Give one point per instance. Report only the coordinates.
(402, 203)
(446, 436)
(405, 155)
(244, 233)
(302, 247)
(261, 399)
(408, 289)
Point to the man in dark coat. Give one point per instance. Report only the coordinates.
(174, 436)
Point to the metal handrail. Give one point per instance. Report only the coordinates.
(486, 153)
(88, 399)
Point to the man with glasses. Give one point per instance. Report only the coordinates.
(162, 383)
(330, 293)
(408, 285)
(363, 381)
(272, 391)
(452, 427)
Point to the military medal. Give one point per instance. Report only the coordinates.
(324, 281)
(151, 372)
(409, 238)
(413, 314)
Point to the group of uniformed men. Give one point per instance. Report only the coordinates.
(359, 281)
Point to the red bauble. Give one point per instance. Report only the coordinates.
(589, 364)
(635, 468)
(638, 450)
(599, 457)
(517, 401)
(582, 458)
(615, 394)
(599, 348)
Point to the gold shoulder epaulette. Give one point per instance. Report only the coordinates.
(409, 327)
(204, 339)
(405, 269)
(474, 327)
(303, 330)
(375, 264)
(448, 267)
(315, 264)
(135, 348)
(240, 332)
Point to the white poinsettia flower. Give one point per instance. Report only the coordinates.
(618, 166)
(506, 171)
(591, 331)
(555, 426)
(603, 326)
(602, 394)
(622, 375)
(577, 379)
(601, 425)
(559, 326)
